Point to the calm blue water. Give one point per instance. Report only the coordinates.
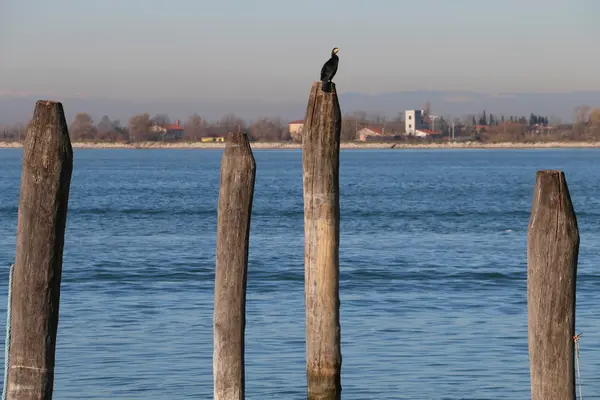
(433, 272)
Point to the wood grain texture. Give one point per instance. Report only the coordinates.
(320, 164)
(236, 192)
(552, 252)
(45, 184)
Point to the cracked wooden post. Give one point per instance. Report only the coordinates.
(552, 252)
(45, 183)
(320, 164)
(233, 233)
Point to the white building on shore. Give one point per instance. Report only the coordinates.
(413, 122)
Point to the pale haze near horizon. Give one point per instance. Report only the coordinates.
(267, 49)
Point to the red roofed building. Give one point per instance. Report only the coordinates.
(174, 127)
(295, 128)
(369, 133)
(169, 131)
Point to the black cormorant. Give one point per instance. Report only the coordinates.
(329, 69)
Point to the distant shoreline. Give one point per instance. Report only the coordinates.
(345, 145)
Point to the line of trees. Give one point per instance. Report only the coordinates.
(486, 126)
(142, 127)
(491, 120)
(586, 127)
(494, 127)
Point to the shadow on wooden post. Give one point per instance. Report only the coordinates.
(320, 164)
(238, 170)
(45, 184)
(552, 252)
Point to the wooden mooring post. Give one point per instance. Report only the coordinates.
(45, 184)
(236, 192)
(552, 252)
(320, 165)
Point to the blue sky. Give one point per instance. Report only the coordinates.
(274, 49)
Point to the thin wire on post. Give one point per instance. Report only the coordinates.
(576, 339)
(7, 340)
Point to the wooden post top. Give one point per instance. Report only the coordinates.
(47, 133)
(555, 173)
(47, 103)
(552, 194)
(238, 142)
(318, 85)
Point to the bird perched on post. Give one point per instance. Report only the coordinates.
(329, 69)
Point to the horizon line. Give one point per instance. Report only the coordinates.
(43, 94)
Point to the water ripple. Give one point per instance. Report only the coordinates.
(433, 278)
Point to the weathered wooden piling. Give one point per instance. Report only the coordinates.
(238, 170)
(45, 184)
(552, 252)
(320, 164)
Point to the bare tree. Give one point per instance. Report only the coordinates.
(396, 125)
(580, 123)
(105, 125)
(349, 128)
(83, 127)
(161, 120)
(581, 114)
(593, 124)
(594, 117)
(269, 130)
(426, 111)
(283, 129)
(20, 130)
(13, 132)
(230, 123)
(378, 119)
(139, 126)
(194, 128)
(108, 130)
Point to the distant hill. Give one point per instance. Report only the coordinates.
(557, 105)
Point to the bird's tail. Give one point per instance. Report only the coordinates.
(326, 86)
